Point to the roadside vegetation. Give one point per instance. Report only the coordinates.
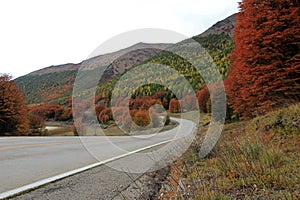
(257, 156)
(59, 131)
(254, 159)
(49, 95)
(13, 108)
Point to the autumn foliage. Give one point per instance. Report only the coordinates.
(265, 71)
(105, 115)
(142, 118)
(203, 99)
(137, 113)
(174, 106)
(52, 111)
(35, 121)
(13, 109)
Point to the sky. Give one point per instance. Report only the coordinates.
(35, 34)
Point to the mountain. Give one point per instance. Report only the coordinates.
(225, 26)
(218, 46)
(144, 50)
(54, 84)
(130, 58)
(55, 68)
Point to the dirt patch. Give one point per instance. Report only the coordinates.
(145, 187)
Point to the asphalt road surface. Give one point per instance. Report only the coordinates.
(26, 160)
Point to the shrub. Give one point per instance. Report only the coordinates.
(142, 118)
(105, 115)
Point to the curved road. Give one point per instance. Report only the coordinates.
(26, 160)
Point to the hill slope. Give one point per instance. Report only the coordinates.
(54, 84)
(256, 159)
(218, 46)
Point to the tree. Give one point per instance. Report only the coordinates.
(13, 109)
(63, 114)
(203, 99)
(99, 108)
(105, 115)
(36, 121)
(265, 72)
(142, 118)
(174, 106)
(36, 124)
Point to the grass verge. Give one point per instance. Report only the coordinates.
(257, 159)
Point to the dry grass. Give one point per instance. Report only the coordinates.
(60, 131)
(258, 159)
(113, 131)
(192, 115)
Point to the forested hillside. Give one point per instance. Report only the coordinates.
(49, 91)
(54, 84)
(218, 46)
(54, 87)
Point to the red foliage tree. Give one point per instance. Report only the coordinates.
(36, 124)
(13, 109)
(105, 115)
(103, 118)
(142, 118)
(63, 114)
(162, 96)
(203, 98)
(265, 70)
(99, 108)
(174, 106)
(52, 111)
(35, 121)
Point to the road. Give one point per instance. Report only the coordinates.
(26, 160)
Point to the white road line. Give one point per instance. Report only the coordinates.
(72, 172)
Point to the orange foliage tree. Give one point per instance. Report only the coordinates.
(35, 121)
(105, 115)
(13, 109)
(63, 114)
(174, 106)
(265, 70)
(203, 99)
(142, 118)
(99, 108)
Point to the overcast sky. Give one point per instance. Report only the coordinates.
(35, 34)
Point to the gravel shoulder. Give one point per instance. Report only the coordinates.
(98, 183)
(102, 182)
